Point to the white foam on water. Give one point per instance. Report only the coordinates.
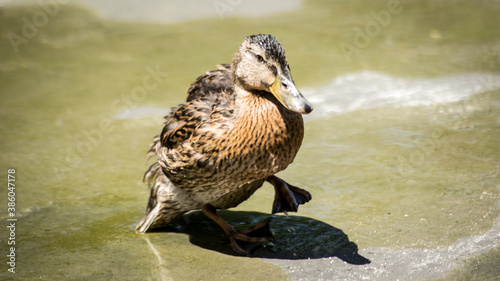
(368, 89)
(175, 11)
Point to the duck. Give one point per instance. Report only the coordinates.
(240, 125)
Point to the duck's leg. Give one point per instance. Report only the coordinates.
(287, 197)
(253, 235)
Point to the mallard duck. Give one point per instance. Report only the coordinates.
(240, 125)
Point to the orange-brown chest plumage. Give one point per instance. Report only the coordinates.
(266, 137)
(228, 153)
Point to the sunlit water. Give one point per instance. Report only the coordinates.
(400, 154)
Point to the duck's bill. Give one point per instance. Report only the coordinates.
(285, 91)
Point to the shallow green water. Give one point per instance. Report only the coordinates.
(391, 176)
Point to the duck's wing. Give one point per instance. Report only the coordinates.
(213, 82)
(208, 96)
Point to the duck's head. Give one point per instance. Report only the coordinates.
(260, 65)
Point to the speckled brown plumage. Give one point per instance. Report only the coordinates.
(240, 125)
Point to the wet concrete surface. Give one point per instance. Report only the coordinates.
(399, 264)
(401, 157)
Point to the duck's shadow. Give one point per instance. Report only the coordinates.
(296, 237)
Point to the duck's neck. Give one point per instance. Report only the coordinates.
(254, 104)
(263, 110)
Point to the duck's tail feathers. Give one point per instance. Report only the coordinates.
(162, 209)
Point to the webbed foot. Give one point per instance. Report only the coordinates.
(287, 196)
(243, 241)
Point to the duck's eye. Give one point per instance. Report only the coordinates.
(259, 57)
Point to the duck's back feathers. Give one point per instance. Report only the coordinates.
(210, 96)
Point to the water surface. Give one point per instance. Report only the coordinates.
(401, 152)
